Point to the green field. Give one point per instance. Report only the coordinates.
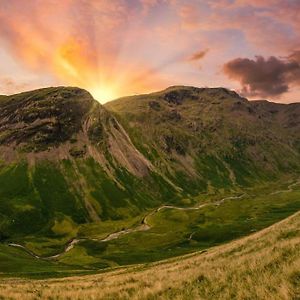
(172, 232)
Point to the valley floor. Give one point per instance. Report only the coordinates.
(156, 235)
(264, 265)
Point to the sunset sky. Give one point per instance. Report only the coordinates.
(115, 48)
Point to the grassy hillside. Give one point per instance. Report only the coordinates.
(66, 162)
(264, 265)
(211, 139)
(85, 187)
(170, 231)
(49, 203)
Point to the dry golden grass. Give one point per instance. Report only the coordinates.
(265, 265)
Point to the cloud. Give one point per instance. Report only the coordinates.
(198, 55)
(79, 42)
(273, 25)
(9, 86)
(148, 4)
(295, 56)
(264, 77)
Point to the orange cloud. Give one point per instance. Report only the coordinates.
(9, 86)
(76, 41)
(114, 48)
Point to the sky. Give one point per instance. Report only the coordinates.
(115, 48)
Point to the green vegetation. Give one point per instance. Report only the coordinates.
(172, 232)
(211, 139)
(264, 265)
(82, 186)
(171, 229)
(17, 263)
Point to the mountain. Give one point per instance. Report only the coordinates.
(201, 138)
(74, 170)
(65, 158)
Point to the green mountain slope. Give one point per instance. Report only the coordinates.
(73, 173)
(66, 161)
(212, 138)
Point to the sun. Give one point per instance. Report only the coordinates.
(104, 94)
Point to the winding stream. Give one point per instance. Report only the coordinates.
(143, 226)
(289, 189)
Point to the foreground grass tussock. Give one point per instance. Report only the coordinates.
(265, 265)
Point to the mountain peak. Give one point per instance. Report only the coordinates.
(44, 116)
(181, 92)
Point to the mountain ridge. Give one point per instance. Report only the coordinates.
(37, 116)
(71, 168)
(216, 116)
(67, 123)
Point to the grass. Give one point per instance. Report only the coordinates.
(204, 145)
(16, 263)
(264, 265)
(173, 232)
(212, 225)
(44, 206)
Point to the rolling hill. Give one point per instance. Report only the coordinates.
(264, 265)
(85, 186)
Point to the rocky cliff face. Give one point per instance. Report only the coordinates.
(44, 118)
(64, 123)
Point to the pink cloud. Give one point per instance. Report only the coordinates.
(269, 24)
(10, 86)
(264, 77)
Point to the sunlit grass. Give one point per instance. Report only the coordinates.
(264, 265)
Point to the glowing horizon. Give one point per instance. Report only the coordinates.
(119, 48)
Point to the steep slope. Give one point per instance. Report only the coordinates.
(66, 161)
(264, 265)
(63, 122)
(205, 139)
(74, 172)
